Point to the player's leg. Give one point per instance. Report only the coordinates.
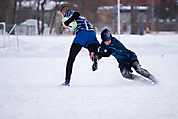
(142, 71)
(93, 48)
(127, 73)
(74, 50)
(138, 69)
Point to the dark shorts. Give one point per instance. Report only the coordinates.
(85, 38)
(127, 63)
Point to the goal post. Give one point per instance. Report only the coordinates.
(12, 29)
(4, 33)
(9, 34)
(6, 41)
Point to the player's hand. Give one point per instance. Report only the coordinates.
(91, 55)
(65, 25)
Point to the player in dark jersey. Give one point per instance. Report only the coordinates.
(126, 58)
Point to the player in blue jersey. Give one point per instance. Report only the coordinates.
(85, 37)
(126, 58)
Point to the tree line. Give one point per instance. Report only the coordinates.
(13, 12)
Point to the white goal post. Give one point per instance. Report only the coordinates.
(7, 36)
(12, 29)
(4, 33)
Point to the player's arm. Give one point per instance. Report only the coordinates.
(108, 53)
(74, 16)
(105, 54)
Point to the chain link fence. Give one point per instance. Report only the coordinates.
(136, 16)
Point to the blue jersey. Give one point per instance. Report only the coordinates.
(82, 22)
(85, 33)
(121, 53)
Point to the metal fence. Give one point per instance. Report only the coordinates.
(136, 16)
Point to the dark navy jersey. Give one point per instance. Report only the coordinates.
(82, 22)
(120, 52)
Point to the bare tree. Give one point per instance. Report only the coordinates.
(87, 7)
(92, 8)
(40, 16)
(43, 14)
(52, 17)
(134, 27)
(7, 11)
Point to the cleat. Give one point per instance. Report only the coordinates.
(153, 82)
(95, 62)
(66, 84)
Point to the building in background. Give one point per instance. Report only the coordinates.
(157, 15)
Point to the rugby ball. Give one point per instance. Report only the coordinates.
(72, 25)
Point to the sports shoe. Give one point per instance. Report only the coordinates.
(95, 62)
(66, 84)
(152, 79)
(153, 82)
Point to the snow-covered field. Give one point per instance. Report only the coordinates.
(30, 80)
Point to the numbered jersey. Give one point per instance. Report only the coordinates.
(82, 22)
